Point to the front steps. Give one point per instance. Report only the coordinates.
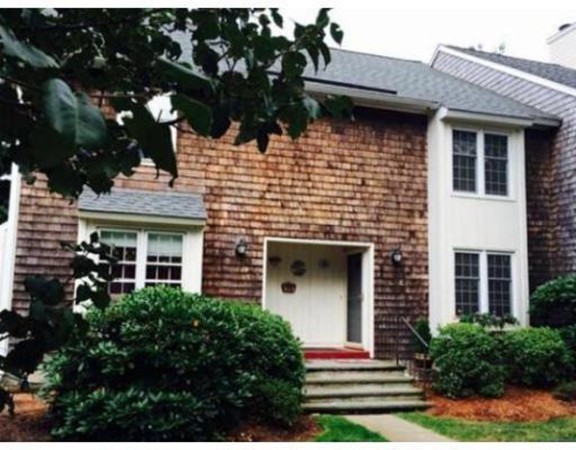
(360, 386)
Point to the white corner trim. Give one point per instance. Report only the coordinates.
(508, 70)
(8, 254)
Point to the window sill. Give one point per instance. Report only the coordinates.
(491, 198)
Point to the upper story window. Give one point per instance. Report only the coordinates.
(480, 163)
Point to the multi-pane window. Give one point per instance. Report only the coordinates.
(164, 259)
(467, 271)
(124, 248)
(480, 163)
(483, 283)
(464, 161)
(145, 258)
(499, 284)
(495, 164)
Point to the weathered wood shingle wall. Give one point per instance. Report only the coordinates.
(364, 181)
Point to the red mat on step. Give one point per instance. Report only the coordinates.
(335, 353)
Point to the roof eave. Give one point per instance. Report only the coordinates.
(131, 218)
(371, 99)
(498, 119)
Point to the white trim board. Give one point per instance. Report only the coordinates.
(9, 251)
(139, 218)
(505, 69)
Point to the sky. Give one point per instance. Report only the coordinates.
(412, 29)
(409, 29)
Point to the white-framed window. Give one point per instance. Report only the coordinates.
(483, 282)
(149, 251)
(145, 258)
(480, 162)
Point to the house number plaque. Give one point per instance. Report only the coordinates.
(288, 287)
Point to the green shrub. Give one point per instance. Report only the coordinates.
(489, 320)
(537, 357)
(165, 365)
(554, 303)
(566, 391)
(468, 361)
(568, 334)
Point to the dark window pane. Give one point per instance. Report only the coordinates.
(130, 271)
(117, 271)
(163, 273)
(499, 284)
(115, 288)
(467, 283)
(176, 273)
(130, 254)
(464, 161)
(496, 164)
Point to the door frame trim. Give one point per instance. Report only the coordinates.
(367, 251)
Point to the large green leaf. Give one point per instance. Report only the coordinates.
(336, 33)
(49, 148)
(48, 291)
(153, 138)
(198, 115)
(26, 53)
(186, 78)
(73, 116)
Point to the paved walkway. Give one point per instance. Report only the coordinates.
(395, 429)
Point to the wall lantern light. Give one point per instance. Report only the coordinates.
(396, 257)
(241, 247)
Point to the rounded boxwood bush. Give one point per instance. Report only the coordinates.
(164, 365)
(554, 303)
(468, 361)
(537, 357)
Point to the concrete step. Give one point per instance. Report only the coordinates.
(349, 386)
(360, 390)
(352, 406)
(365, 399)
(352, 365)
(347, 376)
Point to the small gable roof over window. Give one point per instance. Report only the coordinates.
(152, 204)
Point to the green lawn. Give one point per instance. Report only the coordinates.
(557, 430)
(338, 429)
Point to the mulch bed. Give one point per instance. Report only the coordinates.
(29, 425)
(305, 429)
(517, 405)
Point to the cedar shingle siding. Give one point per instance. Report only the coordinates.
(363, 181)
(550, 172)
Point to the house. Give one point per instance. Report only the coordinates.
(416, 208)
(551, 88)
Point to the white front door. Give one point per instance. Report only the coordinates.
(306, 285)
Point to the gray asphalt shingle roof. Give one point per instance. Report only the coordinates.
(414, 79)
(552, 72)
(149, 203)
(406, 78)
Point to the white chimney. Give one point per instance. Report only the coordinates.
(562, 46)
